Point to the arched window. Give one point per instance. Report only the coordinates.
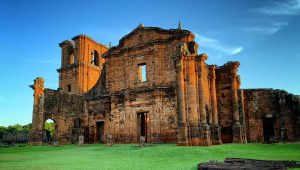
(95, 58)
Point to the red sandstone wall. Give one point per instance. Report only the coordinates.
(156, 96)
(63, 109)
(160, 107)
(281, 106)
(122, 69)
(224, 86)
(82, 75)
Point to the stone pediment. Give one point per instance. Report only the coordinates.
(147, 35)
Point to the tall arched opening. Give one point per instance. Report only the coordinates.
(49, 131)
(95, 58)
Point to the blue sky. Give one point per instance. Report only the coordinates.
(263, 35)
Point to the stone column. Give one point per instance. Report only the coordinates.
(181, 108)
(237, 130)
(216, 131)
(193, 102)
(204, 130)
(242, 114)
(36, 133)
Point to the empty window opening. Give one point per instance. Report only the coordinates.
(95, 58)
(142, 72)
(77, 123)
(69, 88)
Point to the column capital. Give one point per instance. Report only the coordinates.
(201, 57)
(233, 64)
(213, 67)
(178, 63)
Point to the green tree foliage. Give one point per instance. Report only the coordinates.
(2, 130)
(50, 126)
(27, 128)
(14, 128)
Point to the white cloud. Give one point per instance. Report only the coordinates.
(289, 7)
(51, 61)
(221, 49)
(268, 29)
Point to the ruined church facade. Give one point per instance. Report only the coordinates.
(155, 84)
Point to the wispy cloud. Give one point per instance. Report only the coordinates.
(268, 29)
(50, 61)
(275, 16)
(288, 7)
(221, 49)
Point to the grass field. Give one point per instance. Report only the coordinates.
(128, 156)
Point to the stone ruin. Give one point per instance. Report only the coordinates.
(155, 84)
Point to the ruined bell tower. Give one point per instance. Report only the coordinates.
(81, 64)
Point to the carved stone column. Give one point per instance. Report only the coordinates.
(216, 130)
(242, 115)
(204, 130)
(237, 129)
(181, 108)
(193, 102)
(36, 133)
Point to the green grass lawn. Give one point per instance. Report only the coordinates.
(127, 156)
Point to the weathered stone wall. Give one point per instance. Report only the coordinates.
(229, 112)
(182, 99)
(98, 110)
(78, 67)
(224, 96)
(276, 105)
(122, 61)
(63, 108)
(159, 104)
(16, 137)
(155, 97)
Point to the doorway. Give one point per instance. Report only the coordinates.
(100, 132)
(268, 127)
(142, 125)
(226, 134)
(49, 131)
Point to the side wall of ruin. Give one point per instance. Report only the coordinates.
(277, 106)
(63, 108)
